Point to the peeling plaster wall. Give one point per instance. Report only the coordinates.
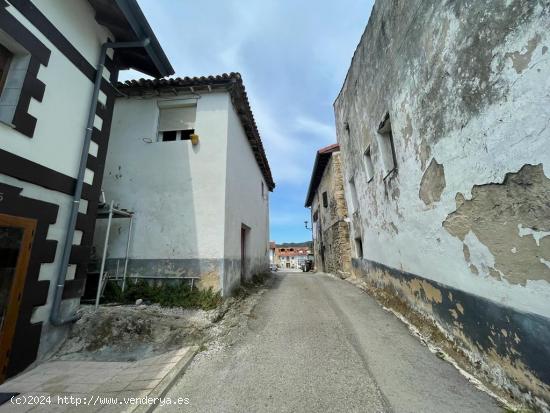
(467, 87)
(331, 230)
(507, 347)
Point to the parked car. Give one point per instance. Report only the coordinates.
(307, 266)
(273, 267)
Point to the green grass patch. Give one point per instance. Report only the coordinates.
(166, 295)
(251, 285)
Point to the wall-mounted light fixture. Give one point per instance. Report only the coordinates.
(194, 138)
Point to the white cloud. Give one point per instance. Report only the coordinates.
(293, 63)
(284, 152)
(314, 127)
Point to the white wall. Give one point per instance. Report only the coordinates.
(63, 112)
(176, 190)
(76, 20)
(244, 204)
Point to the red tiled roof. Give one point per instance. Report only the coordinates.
(233, 83)
(330, 148)
(301, 251)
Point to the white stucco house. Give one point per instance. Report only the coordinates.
(186, 157)
(59, 60)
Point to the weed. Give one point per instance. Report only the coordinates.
(166, 295)
(247, 287)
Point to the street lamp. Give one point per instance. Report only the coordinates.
(305, 224)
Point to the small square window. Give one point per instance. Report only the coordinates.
(176, 135)
(169, 135)
(369, 166)
(186, 134)
(325, 199)
(176, 121)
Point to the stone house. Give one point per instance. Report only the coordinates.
(442, 123)
(186, 157)
(58, 63)
(329, 214)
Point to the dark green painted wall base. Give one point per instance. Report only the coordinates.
(527, 339)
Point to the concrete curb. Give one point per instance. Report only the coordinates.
(168, 381)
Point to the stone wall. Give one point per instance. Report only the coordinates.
(331, 228)
(458, 200)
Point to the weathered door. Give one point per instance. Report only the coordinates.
(16, 235)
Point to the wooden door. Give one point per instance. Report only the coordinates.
(16, 235)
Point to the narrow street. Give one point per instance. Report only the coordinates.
(315, 343)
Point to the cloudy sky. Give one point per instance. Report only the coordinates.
(293, 56)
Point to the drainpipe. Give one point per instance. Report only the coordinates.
(55, 315)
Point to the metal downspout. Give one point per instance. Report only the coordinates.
(55, 315)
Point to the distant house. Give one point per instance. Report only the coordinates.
(291, 257)
(272, 252)
(55, 117)
(329, 215)
(187, 159)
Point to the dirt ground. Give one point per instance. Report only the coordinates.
(133, 332)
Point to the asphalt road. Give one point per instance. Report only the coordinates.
(318, 344)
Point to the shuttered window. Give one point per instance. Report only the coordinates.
(176, 123)
(180, 118)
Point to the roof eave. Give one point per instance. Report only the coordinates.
(142, 30)
(323, 154)
(312, 187)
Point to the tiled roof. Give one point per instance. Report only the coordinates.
(233, 83)
(321, 160)
(296, 252)
(329, 149)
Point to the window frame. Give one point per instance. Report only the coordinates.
(369, 164)
(386, 144)
(9, 55)
(180, 136)
(186, 103)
